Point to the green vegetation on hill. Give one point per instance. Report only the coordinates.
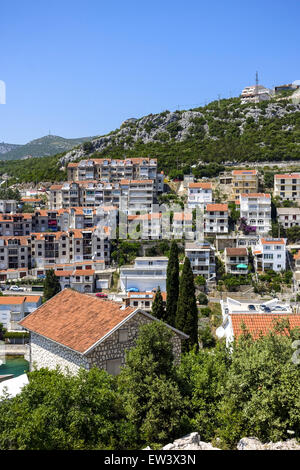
(48, 145)
(215, 134)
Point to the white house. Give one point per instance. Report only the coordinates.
(256, 209)
(15, 308)
(148, 273)
(199, 194)
(288, 216)
(270, 254)
(202, 259)
(216, 218)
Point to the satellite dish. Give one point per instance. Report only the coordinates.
(220, 332)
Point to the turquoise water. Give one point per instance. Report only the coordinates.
(15, 365)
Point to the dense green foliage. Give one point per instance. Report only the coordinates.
(187, 312)
(252, 390)
(231, 135)
(158, 307)
(51, 285)
(172, 284)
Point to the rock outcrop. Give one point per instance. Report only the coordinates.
(192, 442)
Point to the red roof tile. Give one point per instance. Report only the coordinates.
(259, 323)
(76, 320)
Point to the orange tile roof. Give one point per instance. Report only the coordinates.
(260, 323)
(30, 199)
(18, 299)
(236, 251)
(256, 195)
(244, 172)
(83, 272)
(286, 176)
(62, 273)
(297, 255)
(76, 320)
(201, 185)
(217, 207)
(279, 241)
(124, 181)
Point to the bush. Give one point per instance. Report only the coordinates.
(205, 312)
(202, 299)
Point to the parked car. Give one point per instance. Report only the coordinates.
(101, 295)
(252, 308)
(265, 308)
(279, 308)
(17, 288)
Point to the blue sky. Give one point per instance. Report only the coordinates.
(80, 68)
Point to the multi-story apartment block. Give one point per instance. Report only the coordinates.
(114, 170)
(81, 280)
(183, 225)
(128, 195)
(143, 300)
(256, 209)
(270, 254)
(287, 186)
(244, 181)
(202, 259)
(199, 194)
(14, 308)
(15, 252)
(145, 226)
(8, 206)
(68, 247)
(236, 261)
(255, 94)
(288, 216)
(15, 224)
(148, 273)
(216, 218)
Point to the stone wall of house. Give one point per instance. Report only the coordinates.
(46, 353)
(112, 348)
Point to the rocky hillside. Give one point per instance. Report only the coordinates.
(45, 146)
(4, 148)
(221, 131)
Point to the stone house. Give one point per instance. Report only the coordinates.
(74, 330)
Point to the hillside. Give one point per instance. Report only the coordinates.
(45, 146)
(4, 148)
(220, 132)
(224, 131)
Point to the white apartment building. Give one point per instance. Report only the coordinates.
(14, 308)
(148, 273)
(81, 280)
(114, 170)
(270, 254)
(127, 195)
(8, 206)
(143, 300)
(236, 261)
(15, 224)
(69, 247)
(145, 226)
(199, 194)
(202, 259)
(15, 252)
(287, 186)
(288, 216)
(216, 218)
(183, 225)
(256, 209)
(255, 94)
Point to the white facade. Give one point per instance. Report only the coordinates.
(202, 259)
(288, 216)
(147, 274)
(15, 308)
(287, 186)
(199, 194)
(270, 254)
(256, 209)
(216, 218)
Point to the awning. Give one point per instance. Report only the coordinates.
(244, 266)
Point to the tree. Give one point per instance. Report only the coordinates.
(158, 308)
(51, 285)
(63, 412)
(202, 298)
(172, 284)
(148, 386)
(187, 312)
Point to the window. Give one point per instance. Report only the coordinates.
(113, 366)
(123, 335)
